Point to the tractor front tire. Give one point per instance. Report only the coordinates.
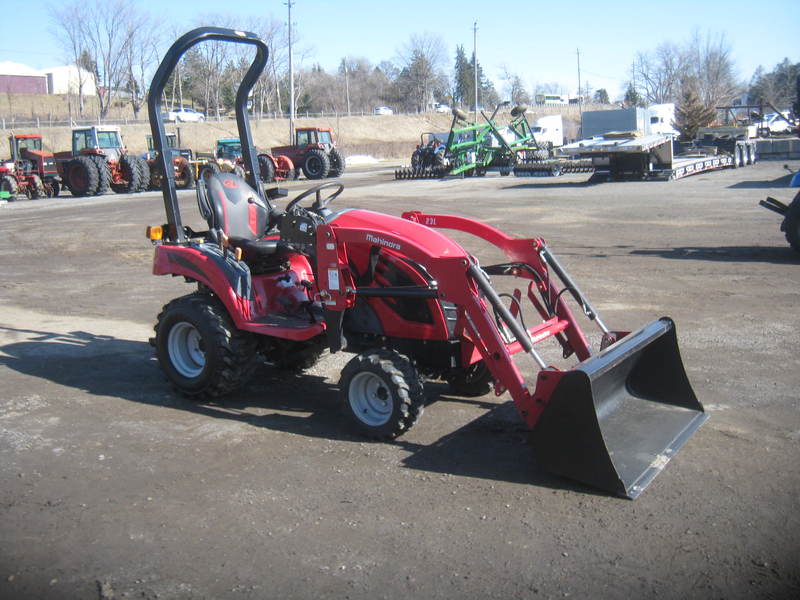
(472, 381)
(337, 163)
(82, 176)
(316, 164)
(382, 394)
(199, 348)
(9, 184)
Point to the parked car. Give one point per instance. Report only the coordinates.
(185, 115)
(441, 108)
(382, 110)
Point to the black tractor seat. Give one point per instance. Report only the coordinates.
(235, 210)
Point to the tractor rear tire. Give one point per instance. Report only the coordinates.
(472, 381)
(266, 170)
(791, 224)
(184, 178)
(103, 175)
(337, 163)
(382, 394)
(81, 176)
(199, 348)
(9, 184)
(144, 174)
(130, 172)
(208, 169)
(37, 187)
(316, 164)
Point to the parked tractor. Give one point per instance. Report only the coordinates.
(30, 171)
(99, 162)
(409, 301)
(184, 165)
(227, 158)
(315, 152)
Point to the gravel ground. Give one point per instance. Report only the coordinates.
(116, 487)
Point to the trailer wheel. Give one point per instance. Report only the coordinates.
(382, 394)
(791, 224)
(81, 176)
(199, 348)
(472, 381)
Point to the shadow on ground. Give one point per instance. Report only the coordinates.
(765, 254)
(493, 447)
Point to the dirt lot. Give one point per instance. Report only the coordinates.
(113, 486)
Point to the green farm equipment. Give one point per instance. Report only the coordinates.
(475, 148)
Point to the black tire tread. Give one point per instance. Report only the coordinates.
(237, 348)
(337, 163)
(409, 390)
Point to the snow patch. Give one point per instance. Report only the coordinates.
(361, 159)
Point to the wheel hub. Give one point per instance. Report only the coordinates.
(370, 399)
(186, 354)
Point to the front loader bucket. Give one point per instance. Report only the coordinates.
(615, 420)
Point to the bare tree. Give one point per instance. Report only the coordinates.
(423, 59)
(108, 32)
(141, 57)
(68, 28)
(710, 63)
(658, 74)
(515, 88)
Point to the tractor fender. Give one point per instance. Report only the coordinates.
(205, 263)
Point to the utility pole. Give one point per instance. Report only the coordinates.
(580, 97)
(346, 86)
(290, 3)
(475, 64)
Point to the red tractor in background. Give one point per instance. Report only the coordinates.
(30, 170)
(99, 162)
(315, 152)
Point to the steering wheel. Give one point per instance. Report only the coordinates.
(320, 202)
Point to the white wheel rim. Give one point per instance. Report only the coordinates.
(185, 352)
(370, 399)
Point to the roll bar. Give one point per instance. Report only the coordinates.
(165, 69)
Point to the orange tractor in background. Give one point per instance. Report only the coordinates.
(315, 152)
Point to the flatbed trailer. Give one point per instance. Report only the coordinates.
(628, 156)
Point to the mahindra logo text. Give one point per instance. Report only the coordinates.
(382, 242)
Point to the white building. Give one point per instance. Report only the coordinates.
(65, 80)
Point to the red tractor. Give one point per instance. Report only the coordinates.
(409, 302)
(314, 152)
(30, 170)
(99, 162)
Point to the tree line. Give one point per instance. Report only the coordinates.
(699, 75)
(120, 44)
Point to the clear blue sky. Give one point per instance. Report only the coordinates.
(536, 40)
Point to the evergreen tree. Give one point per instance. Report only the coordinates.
(690, 113)
(632, 97)
(601, 96)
